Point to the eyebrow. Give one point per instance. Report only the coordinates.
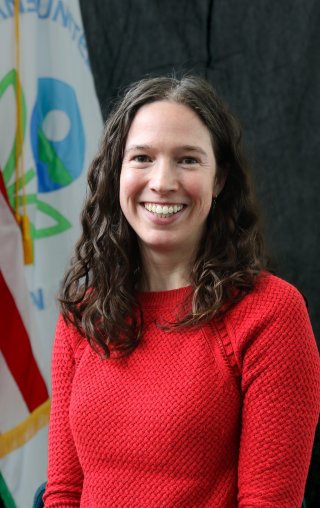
(189, 148)
(133, 148)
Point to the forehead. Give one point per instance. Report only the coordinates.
(170, 120)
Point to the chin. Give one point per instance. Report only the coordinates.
(163, 245)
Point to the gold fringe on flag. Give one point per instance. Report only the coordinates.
(22, 219)
(19, 435)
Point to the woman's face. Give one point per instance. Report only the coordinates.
(168, 178)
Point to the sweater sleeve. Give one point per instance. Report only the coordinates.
(281, 397)
(64, 471)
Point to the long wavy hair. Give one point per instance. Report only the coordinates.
(98, 295)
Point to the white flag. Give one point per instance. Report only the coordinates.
(62, 125)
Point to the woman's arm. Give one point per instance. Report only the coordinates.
(65, 477)
(281, 399)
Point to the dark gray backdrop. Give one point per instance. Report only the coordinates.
(263, 57)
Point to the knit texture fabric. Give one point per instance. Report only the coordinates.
(221, 415)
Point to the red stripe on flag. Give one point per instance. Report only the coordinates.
(16, 348)
(3, 190)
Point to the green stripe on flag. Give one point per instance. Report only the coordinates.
(5, 494)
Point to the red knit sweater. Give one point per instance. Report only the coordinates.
(222, 415)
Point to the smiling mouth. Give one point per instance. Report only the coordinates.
(163, 211)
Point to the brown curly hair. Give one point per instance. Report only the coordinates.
(99, 290)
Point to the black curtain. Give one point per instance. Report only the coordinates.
(263, 58)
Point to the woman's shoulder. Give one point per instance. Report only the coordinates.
(274, 307)
(270, 292)
(67, 334)
(273, 317)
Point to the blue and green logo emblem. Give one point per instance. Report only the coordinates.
(58, 147)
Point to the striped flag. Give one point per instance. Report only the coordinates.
(50, 124)
(23, 392)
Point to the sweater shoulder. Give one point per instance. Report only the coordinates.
(68, 337)
(273, 312)
(275, 288)
(274, 284)
(271, 296)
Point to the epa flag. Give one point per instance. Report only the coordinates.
(50, 124)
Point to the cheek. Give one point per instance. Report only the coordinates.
(123, 191)
(128, 185)
(201, 190)
(131, 187)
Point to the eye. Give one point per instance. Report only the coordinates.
(141, 158)
(188, 160)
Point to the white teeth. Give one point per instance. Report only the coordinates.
(163, 211)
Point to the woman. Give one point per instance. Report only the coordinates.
(183, 373)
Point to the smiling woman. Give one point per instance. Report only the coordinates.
(167, 183)
(183, 373)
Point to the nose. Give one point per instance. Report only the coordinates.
(163, 177)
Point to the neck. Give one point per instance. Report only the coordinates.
(163, 271)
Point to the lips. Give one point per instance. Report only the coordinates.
(163, 211)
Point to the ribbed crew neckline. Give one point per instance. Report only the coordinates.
(171, 297)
